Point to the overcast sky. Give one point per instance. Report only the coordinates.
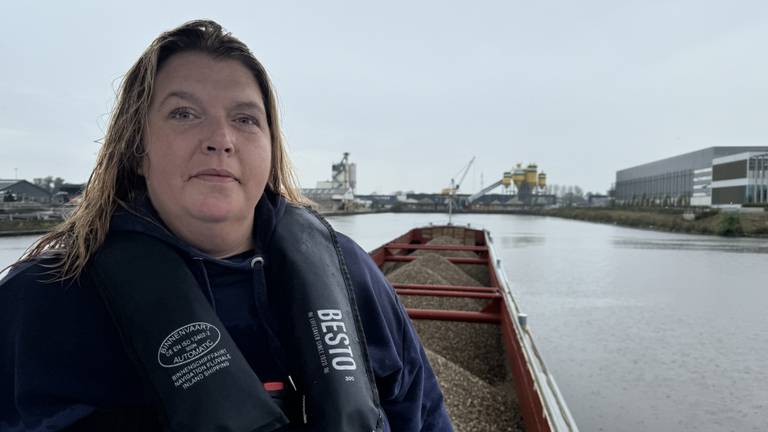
(413, 89)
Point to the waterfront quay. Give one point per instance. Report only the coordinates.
(753, 223)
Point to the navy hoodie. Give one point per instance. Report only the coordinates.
(62, 361)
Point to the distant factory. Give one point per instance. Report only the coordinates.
(522, 186)
(715, 176)
(338, 193)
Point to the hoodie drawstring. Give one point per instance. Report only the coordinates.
(265, 317)
(207, 284)
(262, 302)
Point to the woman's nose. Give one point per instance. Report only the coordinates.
(220, 138)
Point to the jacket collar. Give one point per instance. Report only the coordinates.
(141, 217)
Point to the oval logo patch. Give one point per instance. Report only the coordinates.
(187, 343)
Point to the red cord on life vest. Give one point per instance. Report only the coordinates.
(274, 386)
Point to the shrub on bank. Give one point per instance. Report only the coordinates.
(730, 225)
(27, 225)
(712, 222)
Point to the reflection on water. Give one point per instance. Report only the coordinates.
(522, 240)
(702, 244)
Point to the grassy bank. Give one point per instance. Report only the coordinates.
(22, 227)
(714, 223)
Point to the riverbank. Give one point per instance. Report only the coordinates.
(711, 223)
(327, 213)
(26, 227)
(735, 224)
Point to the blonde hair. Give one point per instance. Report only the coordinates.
(115, 181)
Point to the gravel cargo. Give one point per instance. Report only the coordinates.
(473, 404)
(468, 358)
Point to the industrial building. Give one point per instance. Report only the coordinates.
(740, 179)
(695, 178)
(528, 184)
(339, 192)
(23, 191)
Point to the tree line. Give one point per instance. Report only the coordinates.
(50, 183)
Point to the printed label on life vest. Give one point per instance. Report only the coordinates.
(198, 370)
(190, 346)
(187, 343)
(333, 344)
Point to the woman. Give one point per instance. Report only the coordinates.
(191, 291)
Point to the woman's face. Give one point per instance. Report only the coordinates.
(207, 141)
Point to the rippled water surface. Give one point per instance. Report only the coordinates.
(11, 248)
(644, 331)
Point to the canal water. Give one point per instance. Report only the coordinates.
(644, 331)
(11, 248)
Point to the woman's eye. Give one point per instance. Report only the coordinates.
(247, 120)
(182, 114)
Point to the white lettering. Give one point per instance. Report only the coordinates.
(330, 340)
(334, 334)
(343, 363)
(334, 325)
(327, 314)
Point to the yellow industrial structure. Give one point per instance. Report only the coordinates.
(527, 181)
(528, 178)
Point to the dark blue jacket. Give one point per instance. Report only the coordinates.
(62, 360)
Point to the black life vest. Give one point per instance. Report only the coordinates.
(199, 377)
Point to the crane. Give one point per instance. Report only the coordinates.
(462, 174)
(455, 186)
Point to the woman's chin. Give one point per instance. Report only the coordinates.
(213, 211)
(219, 208)
(218, 215)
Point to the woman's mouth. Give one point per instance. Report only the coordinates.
(215, 175)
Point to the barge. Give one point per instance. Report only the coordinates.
(455, 290)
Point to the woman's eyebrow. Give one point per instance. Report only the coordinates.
(247, 105)
(240, 105)
(181, 95)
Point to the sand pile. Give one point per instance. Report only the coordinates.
(476, 347)
(468, 358)
(434, 269)
(476, 272)
(473, 404)
(431, 268)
